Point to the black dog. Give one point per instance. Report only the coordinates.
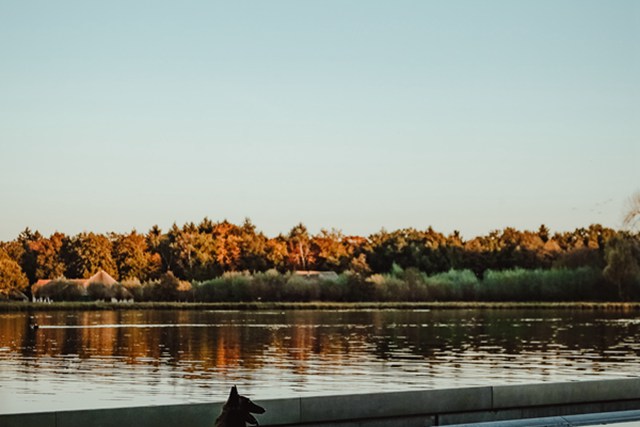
(237, 411)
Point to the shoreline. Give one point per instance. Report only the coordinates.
(255, 306)
(553, 403)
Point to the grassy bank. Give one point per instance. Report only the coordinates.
(451, 305)
(398, 286)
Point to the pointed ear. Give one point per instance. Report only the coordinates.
(234, 397)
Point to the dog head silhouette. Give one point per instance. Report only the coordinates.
(237, 411)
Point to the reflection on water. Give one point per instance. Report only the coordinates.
(121, 358)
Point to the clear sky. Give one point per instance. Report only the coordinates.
(358, 115)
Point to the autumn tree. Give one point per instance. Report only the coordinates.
(159, 246)
(454, 247)
(48, 253)
(276, 253)
(86, 254)
(253, 248)
(543, 233)
(356, 248)
(13, 249)
(408, 247)
(28, 262)
(299, 252)
(380, 251)
(132, 257)
(359, 265)
(583, 247)
(227, 249)
(330, 250)
(519, 249)
(12, 278)
(192, 252)
(19, 251)
(38, 257)
(206, 226)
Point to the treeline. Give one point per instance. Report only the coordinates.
(218, 251)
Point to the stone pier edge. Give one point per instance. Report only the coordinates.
(420, 408)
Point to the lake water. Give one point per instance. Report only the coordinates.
(90, 359)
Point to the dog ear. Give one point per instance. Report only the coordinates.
(234, 397)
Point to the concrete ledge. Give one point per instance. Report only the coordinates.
(173, 415)
(398, 404)
(399, 409)
(279, 412)
(565, 393)
(567, 421)
(44, 419)
(167, 415)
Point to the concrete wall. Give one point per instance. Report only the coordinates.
(624, 418)
(397, 409)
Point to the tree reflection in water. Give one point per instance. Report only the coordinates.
(287, 353)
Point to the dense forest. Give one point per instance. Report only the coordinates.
(211, 261)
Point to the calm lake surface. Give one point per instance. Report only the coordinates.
(89, 359)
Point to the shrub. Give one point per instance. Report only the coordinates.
(409, 284)
(134, 288)
(100, 291)
(540, 285)
(62, 290)
(388, 288)
(269, 285)
(453, 285)
(239, 285)
(167, 288)
(356, 287)
(120, 292)
(212, 290)
(298, 288)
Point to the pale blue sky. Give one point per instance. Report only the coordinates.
(467, 115)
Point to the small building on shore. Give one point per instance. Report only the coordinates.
(312, 274)
(99, 286)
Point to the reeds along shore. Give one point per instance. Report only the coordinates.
(397, 287)
(254, 306)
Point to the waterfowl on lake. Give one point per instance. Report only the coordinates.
(33, 324)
